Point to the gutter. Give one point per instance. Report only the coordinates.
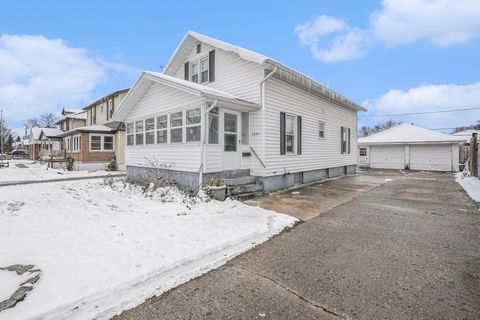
(262, 104)
(202, 143)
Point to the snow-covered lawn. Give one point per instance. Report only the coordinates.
(104, 248)
(470, 184)
(36, 171)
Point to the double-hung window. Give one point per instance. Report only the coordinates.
(204, 70)
(321, 129)
(162, 129)
(195, 72)
(193, 118)
(139, 132)
(95, 143)
(176, 127)
(150, 131)
(130, 136)
(108, 143)
(290, 133)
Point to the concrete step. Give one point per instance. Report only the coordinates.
(240, 181)
(245, 188)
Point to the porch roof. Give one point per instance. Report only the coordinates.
(148, 77)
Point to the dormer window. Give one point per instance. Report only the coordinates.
(195, 72)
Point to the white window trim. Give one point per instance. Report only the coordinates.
(320, 122)
(162, 129)
(198, 61)
(287, 115)
(145, 131)
(193, 125)
(102, 138)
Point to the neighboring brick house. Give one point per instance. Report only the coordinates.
(93, 145)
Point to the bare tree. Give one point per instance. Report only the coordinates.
(367, 130)
(32, 122)
(48, 120)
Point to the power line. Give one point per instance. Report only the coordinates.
(417, 113)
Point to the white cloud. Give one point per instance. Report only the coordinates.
(429, 97)
(40, 75)
(346, 45)
(442, 22)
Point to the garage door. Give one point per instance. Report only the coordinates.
(434, 157)
(387, 157)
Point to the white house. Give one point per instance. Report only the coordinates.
(221, 110)
(410, 147)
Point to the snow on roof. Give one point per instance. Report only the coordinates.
(51, 132)
(407, 133)
(466, 133)
(191, 38)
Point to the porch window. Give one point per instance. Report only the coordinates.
(204, 69)
(95, 143)
(139, 132)
(150, 131)
(321, 129)
(176, 127)
(162, 129)
(193, 126)
(130, 137)
(245, 127)
(363, 152)
(195, 72)
(290, 133)
(213, 126)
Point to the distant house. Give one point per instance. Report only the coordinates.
(32, 141)
(93, 143)
(221, 110)
(51, 144)
(410, 147)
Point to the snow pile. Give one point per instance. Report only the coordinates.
(470, 184)
(104, 247)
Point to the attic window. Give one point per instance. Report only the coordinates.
(199, 48)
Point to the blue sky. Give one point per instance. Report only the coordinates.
(392, 56)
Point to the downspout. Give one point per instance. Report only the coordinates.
(262, 104)
(202, 143)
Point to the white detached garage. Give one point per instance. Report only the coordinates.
(410, 147)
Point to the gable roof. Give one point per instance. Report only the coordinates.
(148, 77)
(104, 98)
(408, 133)
(191, 38)
(51, 132)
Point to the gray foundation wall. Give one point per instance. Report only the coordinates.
(189, 180)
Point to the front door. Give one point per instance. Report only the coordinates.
(230, 139)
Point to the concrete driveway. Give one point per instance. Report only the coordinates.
(403, 248)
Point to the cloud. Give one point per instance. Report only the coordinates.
(429, 97)
(441, 22)
(39, 75)
(346, 45)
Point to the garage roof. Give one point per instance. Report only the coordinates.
(408, 133)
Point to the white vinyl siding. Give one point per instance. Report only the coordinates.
(232, 74)
(159, 100)
(316, 153)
